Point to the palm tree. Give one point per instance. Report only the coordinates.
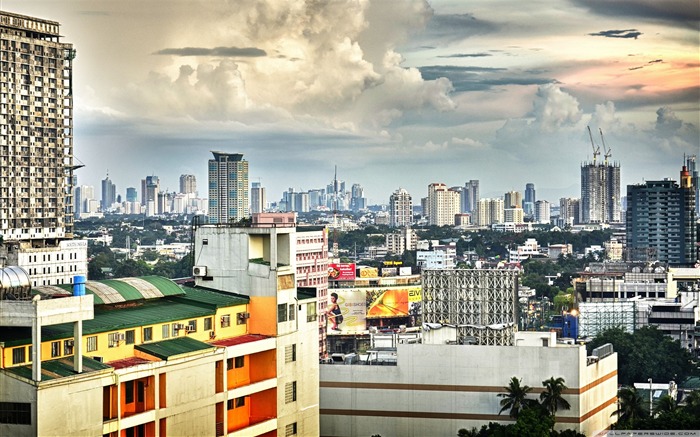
(631, 406)
(665, 404)
(515, 399)
(551, 398)
(692, 403)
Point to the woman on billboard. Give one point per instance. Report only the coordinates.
(334, 312)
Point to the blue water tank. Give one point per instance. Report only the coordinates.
(79, 285)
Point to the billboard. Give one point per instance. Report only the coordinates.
(359, 304)
(369, 272)
(341, 272)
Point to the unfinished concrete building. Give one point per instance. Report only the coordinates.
(482, 304)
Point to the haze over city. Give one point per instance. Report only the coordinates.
(395, 93)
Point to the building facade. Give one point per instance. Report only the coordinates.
(228, 188)
(109, 194)
(530, 199)
(489, 212)
(188, 184)
(470, 196)
(443, 204)
(661, 221)
(542, 212)
(258, 198)
(600, 193)
(569, 211)
(400, 209)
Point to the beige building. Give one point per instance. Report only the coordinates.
(489, 212)
(436, 389)
(443, 204)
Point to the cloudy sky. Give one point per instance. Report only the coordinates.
(395, 93)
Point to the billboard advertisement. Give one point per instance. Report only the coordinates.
(404, 271)
(360, 304)
(341, 272)
(369, 272)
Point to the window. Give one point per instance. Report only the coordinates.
(241, 318)
(240, 402)
(229, 364)
(129, 392)
(290, 353)
(16, 413)
(226, 320)
(166, 331)
(147, 334)
(207, 324)
(292, 312)
(113, 339)
(311, 312)
(92, 343)
(175, 330)
(192, 326)
(229, 404)
(281, 312)
(240, 362)
(290, 429)
(55, 349)
(18, 357)
(68, 347)
(130, 336)
(290, 392)
(235, 403)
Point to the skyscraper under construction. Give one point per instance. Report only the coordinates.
(600, 189)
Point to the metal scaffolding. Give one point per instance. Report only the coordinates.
(595, 317)
(482, 304)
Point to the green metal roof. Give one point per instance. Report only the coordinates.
(60, 368)
(120, 290)
(171, 348)
(211, 298)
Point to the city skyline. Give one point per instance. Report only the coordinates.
(446, 92)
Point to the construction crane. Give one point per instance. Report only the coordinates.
(596, 151)
(608, 151)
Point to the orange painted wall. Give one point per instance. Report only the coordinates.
(239, 417)
(263, 366)
(263, 405)
(263, 315)
(241, 376)
(139, 404)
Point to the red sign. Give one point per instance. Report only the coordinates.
(341, 272)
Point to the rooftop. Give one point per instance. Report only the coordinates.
(59, 368)
(167, 349)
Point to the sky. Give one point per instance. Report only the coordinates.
(394, 93)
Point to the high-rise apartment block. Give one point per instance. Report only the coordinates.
(131, 195)
(513, 199)
(257, 198)
(228, 188)
(569, 211)
(542, 211)
(36, 151)
(188, 184)
(443, 205)
(600, 193)
(489, 212)
(661, 221)
(400, 209)
(694, 173)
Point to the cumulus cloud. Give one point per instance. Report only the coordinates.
(553, 108)
(666, 121)
(605, 118)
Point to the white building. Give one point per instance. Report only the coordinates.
(490, 211)
(443, 204)
(529, 249)
(542, 211)
(228, 188)
(399, 242)
(400, 209)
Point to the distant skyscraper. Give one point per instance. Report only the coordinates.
(569, 211)
(490, 211)
(109, 194)
(228, 188)
(443, 205)
(357, 198)
(257, 198)
(400, 209)
(188, 184)
(530, 199)
(542, 211)
(37, 131)
(661, 221)
(131, 195)
(513, 199)
(470, 196)
(694, 173)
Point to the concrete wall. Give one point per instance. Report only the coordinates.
(438, 389)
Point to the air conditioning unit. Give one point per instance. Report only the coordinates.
(69, 343)
(100, 359)
(121, 336)
(199, 271)
(243, 316)
(178, 326)
(189, 328)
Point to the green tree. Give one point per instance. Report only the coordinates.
(132, 268)
(631, 407)
(665, 404)
(551, 398)
(515, 399)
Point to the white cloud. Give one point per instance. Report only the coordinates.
(553, 108)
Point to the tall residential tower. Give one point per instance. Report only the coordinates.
(400, 209)
(228, 187)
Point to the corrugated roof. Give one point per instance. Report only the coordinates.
(211, 298)
(171, 348)
(60, 368)
(120, 290)
(247, 338)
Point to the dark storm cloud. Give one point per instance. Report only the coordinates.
(684, 13)
(249, 52)
(455, 27)
(480, 78)
(466, 55)
(629, 33)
